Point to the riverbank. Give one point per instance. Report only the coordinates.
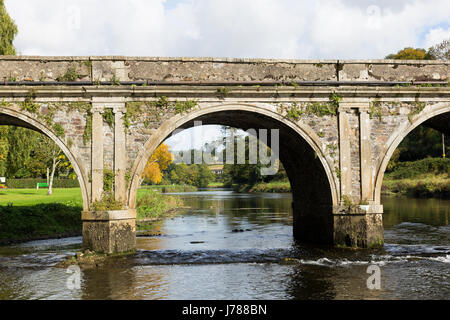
(169, 188)
(30, 214)
(426, 178)
(270, 187)
(426, 186)
(40, 221)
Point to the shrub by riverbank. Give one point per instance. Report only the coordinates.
(272, 187)
(152, 204)
(424, 178)
(170, 188)
(427, 186)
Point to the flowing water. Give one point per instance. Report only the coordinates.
(240, 246)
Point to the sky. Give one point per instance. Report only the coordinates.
(323, 29)
(292, 29)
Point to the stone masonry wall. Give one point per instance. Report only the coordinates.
(25, 68)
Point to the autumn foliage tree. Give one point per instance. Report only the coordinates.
(410, 54)
(157, 163)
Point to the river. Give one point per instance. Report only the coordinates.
(240, 246)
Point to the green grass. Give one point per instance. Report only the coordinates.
(216, 185)
(30, 197)
(27, 214)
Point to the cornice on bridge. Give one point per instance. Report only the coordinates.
(120, 94)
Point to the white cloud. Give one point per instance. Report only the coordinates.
(435, 36)
(347, 29)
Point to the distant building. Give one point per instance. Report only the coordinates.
(216, 168)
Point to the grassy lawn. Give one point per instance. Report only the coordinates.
(69, 196)
(30, 197)
(27, 214)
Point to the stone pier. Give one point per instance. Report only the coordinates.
(109, 231)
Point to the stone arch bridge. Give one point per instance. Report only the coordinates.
(339, 124)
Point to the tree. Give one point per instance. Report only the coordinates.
(204, 176)
(8, 31)
(441, 51)
(158, 162)
(4, 148)
(49, 157)
(21, 143)
(410, 54)
(422, 142)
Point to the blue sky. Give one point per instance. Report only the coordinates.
(293, 29)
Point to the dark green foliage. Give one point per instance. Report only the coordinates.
(198, 175)
(425, 190)
(37, 221)
(21, 142)
(153, 204)
(31, 183)
(108, 180)
(108, 117)
(222, 92)
(412, 169)
(204, 176)
(185, 106)
(70, 75)
(59, 130)
(8, 30)
(421, 143)
(107, 203)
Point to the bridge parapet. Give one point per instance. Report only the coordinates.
(155, 69)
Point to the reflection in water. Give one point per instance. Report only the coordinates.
(240, 246)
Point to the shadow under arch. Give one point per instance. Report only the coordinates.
(314, 188)
(14, 118)
(395, 141)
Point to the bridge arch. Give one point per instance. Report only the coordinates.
(395, 140)
(15, 118)
(300, 153)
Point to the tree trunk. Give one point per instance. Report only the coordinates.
(50, 184)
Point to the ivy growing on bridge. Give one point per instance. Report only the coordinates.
(137, 109)
(417, 107)
(295, 110)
